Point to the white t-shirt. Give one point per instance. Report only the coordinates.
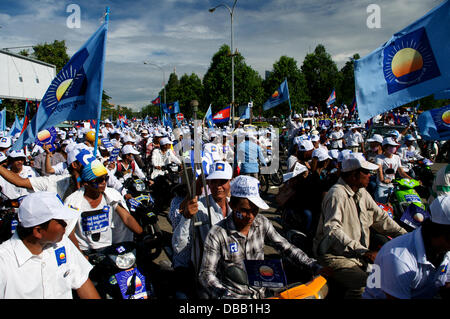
(389, 167)
(51, 275)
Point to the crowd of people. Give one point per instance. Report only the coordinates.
(73, 200)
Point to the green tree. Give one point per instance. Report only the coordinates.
(321, 74)
(286, 68)
(217, 82)
(191, 88)
(54, 53)
(345, 89)
(172, 87)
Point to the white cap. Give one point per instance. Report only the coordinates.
(334, 154)
(164, 141)
(305, 145)
(129, 149)
(376, 138)
(247, 187)
(355, 161)
(298, 169)
(321, 154)
(5, 142)
(315, 138)
(344, 154)
(296, 116)
(128, 138)
(40, 207)
(389, 141)
(16, 154)
(220, 170)
(440, 210)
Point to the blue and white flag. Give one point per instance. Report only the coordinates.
(3, 120)
(332, 98)
(435, 124)
(413, 64)
(208, 117)
(279, 96)
(171, 108)
(244, 111)
(16, 127)
(75, 93)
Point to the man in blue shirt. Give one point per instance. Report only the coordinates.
(248, 154)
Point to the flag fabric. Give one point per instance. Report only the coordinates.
(435, 124)
(167, 121)
(208, 117)
(244, 111)
(352, 107)
(413, 64)
(222, 116)
(75, 92)
(171, 108)
(157, 101)
(16, 127)
(332, 98)
(3, 120)
(443, 95)
(279, 96)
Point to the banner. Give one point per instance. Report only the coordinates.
(413, 64)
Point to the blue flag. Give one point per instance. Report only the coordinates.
(279, 96)
(435, 124)
(244, 111)
(413, 64)
(16, 127)
(208, 117)
(171, 108)
(75, 93)
(443, 95)
(3, 120)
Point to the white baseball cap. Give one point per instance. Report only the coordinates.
(334, 153)
(5, 142)
(440, 210)
(376, 138)
(129, 149)
(40, 207)
(298, 169)
(128, 138)
(164, 141)
(220, 170)
(16, 154)
(321, 154)
(244, 186)
(355, 161)
(305, 145)
(315, 138)
(389, 141)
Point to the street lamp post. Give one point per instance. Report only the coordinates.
(231, 10)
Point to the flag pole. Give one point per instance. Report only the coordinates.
(97, 129)
(289, 97)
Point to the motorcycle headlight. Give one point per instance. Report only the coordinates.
(124, 261)
(139, 185)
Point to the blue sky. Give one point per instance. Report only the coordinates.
(184, 35)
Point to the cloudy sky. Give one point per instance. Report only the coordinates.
(184, 35)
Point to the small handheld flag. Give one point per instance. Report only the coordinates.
(208, 117)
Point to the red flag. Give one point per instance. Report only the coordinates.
(157, 101)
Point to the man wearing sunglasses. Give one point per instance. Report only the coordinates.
(104, 220)
(349, 214)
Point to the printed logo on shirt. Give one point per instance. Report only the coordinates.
(233, 248)
(60, 254)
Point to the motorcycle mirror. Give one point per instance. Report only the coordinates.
(237, 275)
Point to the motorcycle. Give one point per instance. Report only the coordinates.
(8, 216)
(141, 206)
(116, 274)
(164, 185)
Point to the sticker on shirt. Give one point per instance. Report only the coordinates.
(233, 248)
(60, 254)
(132, 284)
(96, 221)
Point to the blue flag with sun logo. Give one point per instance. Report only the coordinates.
(279, 96)
(75, 93)
(413, 64)
(435, 124)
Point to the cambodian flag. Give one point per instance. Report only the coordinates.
(222, 116)
(332, 98)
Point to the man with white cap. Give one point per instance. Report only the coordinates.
(127, 165)
(388, 165)
(241, 236)
(185, 256)
(342, 241)
(5, 144)
(250, 155)
(16, 163)
(163, 156)
(39, 261)
(303, 154)
(374, 147)
(409, 154)
(415, 265)
(354, 140)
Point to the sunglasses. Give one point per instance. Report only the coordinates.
(100, 180)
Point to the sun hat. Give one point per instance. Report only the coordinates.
(355, 161)
(40, 207)
(244, 186)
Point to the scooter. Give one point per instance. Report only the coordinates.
(116, 273)
(8, 216)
